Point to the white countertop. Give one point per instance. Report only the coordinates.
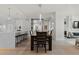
(20, 32)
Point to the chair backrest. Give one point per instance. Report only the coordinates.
(41, 33)
(41, 36)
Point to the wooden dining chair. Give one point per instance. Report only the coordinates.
(41, 41)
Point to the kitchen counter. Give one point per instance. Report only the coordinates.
(19, 35)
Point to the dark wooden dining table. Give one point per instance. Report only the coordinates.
(49, 39)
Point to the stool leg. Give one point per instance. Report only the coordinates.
(76, 43)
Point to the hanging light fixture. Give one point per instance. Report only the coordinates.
(40, 16)
(9, 17)
(40, 12)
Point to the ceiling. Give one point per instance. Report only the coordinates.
(33, 10)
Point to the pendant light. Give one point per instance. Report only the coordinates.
(40, 16)
(9, 16)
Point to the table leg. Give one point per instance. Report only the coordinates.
(50, 43)
(32, 43)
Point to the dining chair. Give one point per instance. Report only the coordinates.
(41, 41)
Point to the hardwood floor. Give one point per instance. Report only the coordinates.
(60, 47)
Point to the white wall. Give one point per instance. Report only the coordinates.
(59, 27)
(7, 36)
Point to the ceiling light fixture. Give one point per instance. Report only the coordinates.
(40, 5)
(9, 16)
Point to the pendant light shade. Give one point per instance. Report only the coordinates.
(9, 16)
(40, 15)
